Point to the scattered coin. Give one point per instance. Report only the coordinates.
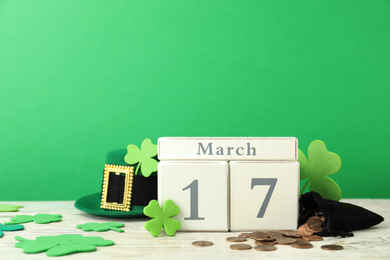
(236, 239)
(302, 245)
(240, 246)
(285, 240)
(315, 224)
(302, 240)
(266, 239)
(332, 247)
(265, 248)
(202, 243)
(320, 215)
(291, 234)
(275, 232)
(304, 230)
(276, 236)
(246, 235)
(257, 235)
(268, 243)
(313, 238)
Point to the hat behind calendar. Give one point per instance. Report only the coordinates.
(125, 190)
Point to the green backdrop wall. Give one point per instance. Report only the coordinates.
(81, 78)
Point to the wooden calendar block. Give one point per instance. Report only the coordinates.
(228, 148)
(200, 189)
(264, 195)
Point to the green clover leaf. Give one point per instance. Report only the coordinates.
(38, 218)
(40, 244)
(67, 248)
(10, 228)
(99, 227)
(61, 245)
(316, 167)
(143, 157)
(47, 218)
(162, 218)
(9, 207)
(20, 219)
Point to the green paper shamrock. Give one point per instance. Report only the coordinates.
(162, 218)
(99, 227)
(316, 167)
(10, 228)
(61, 245)
(143, 157)
(9, 207)
(38, 218)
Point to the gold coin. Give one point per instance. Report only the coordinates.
(236, 239)
(304, 230)
(302, 245)
(285, 240)
(246, 235)
(240, 246)
(332, 247)
(265, 248)
(291, 234)
(315, 224)
(313, 238)
(268, 243)
(257, 235)
(202, 243)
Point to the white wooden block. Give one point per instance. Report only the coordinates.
(264, 195)
(228, 148)
(200, 189)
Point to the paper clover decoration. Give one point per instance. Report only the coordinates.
(162, 218)
(99, 227)
(316, 167)
(9, 207)
(143, 157)
(10, 228)
(61, 245)
(38, 218)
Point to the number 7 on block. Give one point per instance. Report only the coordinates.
(271, 182)
(264, 195)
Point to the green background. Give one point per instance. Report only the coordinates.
(81, 78)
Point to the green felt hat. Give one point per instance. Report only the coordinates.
(144, 189)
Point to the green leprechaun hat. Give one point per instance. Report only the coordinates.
(129, 183)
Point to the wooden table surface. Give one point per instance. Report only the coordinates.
(137, 243)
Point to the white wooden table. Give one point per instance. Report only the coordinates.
(137, 243)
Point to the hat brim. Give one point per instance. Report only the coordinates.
(91, 204)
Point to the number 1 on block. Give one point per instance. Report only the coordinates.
(194, 202)
(200, 190)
